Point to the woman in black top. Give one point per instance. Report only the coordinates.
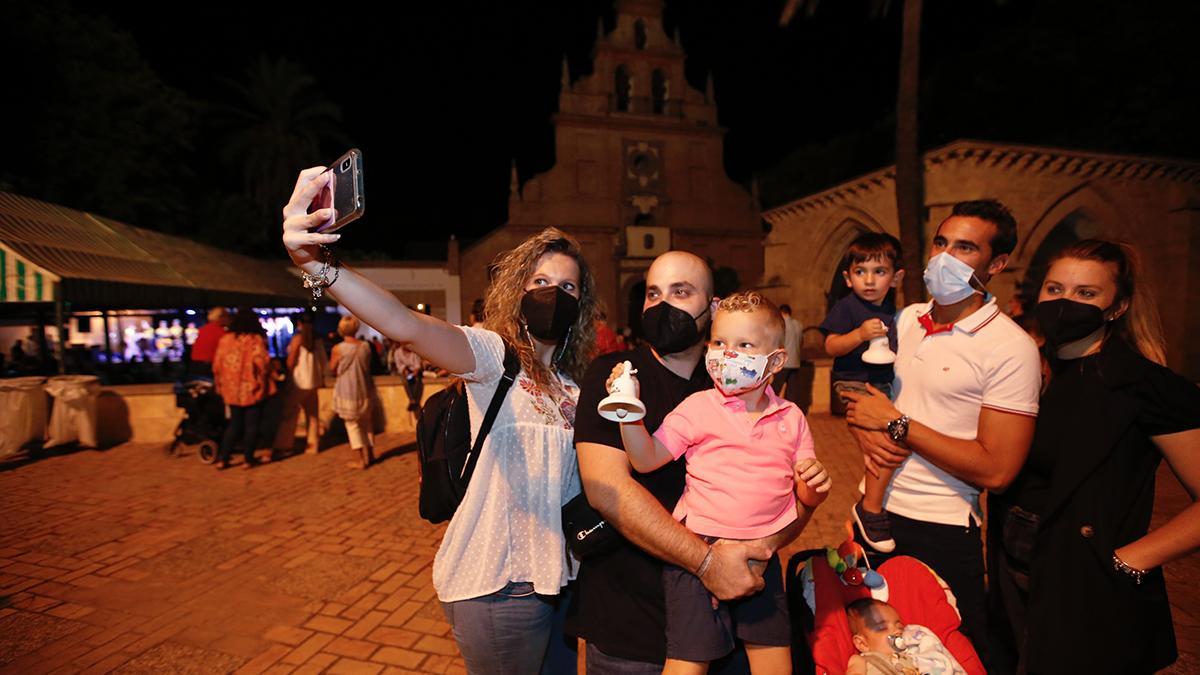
(1077, 569)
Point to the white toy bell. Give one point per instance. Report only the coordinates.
(879, 353)
(621, 405)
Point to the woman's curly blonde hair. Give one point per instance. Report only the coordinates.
(502, 306)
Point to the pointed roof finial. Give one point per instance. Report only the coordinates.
(566, 74)
(514, 185)
(709, 91)
(600, 32)
(675, 38)
(754, 191)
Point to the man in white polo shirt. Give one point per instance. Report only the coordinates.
(967, 385)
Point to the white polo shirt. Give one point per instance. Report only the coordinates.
(942, 380)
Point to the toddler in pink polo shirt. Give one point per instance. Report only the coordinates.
(751, 472)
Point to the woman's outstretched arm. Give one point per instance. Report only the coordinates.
(441, 343)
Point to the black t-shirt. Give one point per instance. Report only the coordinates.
(618, 600)
(848, 314)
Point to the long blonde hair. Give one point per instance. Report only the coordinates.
(1139, 326)
(502, 306)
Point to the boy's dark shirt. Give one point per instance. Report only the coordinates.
(848, 314)
(618, 602)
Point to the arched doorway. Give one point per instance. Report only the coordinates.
(1075, 226)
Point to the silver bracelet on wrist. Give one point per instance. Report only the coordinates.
(318, 282)
(1127, 569)
(705, 563)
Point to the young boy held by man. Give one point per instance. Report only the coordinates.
(872, 268)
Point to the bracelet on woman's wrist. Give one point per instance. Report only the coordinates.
(318, 282)
(1125, 568)
(705, 563)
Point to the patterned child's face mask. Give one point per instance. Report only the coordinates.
(735, 372)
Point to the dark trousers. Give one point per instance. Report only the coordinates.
(243, 425)
(414, 387)
(956, 554)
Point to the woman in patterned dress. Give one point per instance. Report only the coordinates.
(355, 388)
(502, 563)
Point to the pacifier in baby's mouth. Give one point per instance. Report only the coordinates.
(896, 641)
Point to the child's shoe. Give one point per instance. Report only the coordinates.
(874, 528)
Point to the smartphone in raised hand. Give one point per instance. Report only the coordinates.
(343, 192)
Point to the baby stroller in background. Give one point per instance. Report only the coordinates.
(203, 421)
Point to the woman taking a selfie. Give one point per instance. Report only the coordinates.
(503, 559)
(1078, 564)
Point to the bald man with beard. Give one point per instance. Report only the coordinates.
(618, 605)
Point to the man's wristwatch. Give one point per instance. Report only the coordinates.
(898, 428)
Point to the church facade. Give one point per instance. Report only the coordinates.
(639, 170)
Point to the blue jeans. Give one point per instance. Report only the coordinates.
(511, 631)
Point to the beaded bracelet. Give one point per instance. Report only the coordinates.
(318, 282)
(1125, 568)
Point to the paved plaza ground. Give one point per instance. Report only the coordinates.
(130, 561)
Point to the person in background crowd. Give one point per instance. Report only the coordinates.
(408, 366)
(306, 365)
(787, 382)
(244, 375)
(607, 340)
(354, 390)
(204, 349)
(476, 318)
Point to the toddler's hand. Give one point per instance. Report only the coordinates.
(872, 328)
(617, 371)
(812, 482)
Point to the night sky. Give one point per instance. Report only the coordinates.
(442, 96)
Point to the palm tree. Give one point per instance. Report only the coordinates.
(277, 126)
(910, 170)
(910, 167)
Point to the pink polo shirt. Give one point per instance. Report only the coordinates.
(739, 475)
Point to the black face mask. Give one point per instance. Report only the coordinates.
(549, 312)
(669, 329)
(1064, 321)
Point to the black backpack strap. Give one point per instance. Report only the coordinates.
(512, 365)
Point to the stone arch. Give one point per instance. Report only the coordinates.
(839, 229)
(622, 88)
(1079, 213)
(659, 91)
(1082, 200)
(639, 34)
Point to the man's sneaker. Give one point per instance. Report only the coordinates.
(875, 528)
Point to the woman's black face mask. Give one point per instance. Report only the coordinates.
(549, 312)
(1065, 321)
(669, 329)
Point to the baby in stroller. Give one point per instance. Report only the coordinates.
(886, 646)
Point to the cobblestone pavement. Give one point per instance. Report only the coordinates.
(129, 561)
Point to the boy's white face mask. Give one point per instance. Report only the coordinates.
(735, 372)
